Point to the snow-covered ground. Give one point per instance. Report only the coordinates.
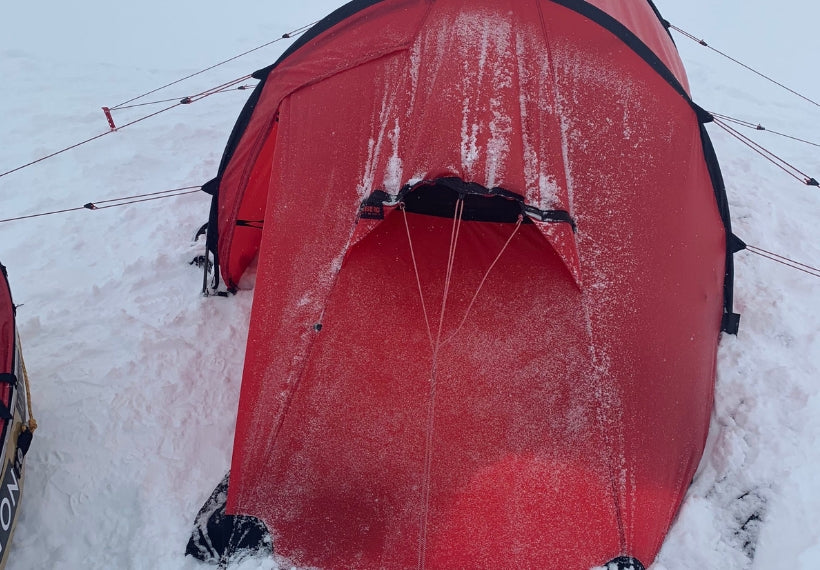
(136, 376)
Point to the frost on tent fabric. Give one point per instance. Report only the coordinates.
(492, 274)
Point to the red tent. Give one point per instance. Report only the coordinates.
(492, 273)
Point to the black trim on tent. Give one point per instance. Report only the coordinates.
(438, 198)
(663, 20)
(212, 186)
(211, 228)
(731, 320)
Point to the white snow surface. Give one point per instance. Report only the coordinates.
(136, 376)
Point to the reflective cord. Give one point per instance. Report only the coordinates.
(286, 36)
(740, 63)
(172, 99)
(184, 101)
(431, 409)
(418, 277)
(115, 202)
(782, 164)
(483, 279)
(759, 127)
(813, 271)
(86, 141)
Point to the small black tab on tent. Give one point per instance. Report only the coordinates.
(736, 244)
(8, 378)
(704, 116)
(731, 323)
(372, 207)
(551, 216)
(5, 413)
(211, 186)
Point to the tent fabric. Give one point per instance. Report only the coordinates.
(421, 391)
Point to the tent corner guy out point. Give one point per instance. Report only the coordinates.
(493, 269)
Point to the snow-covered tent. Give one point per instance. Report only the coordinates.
(493, 267)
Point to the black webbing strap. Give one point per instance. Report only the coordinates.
(5, 413)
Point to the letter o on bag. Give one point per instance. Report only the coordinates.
(5, 514)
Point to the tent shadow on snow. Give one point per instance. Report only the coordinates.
(493, 267)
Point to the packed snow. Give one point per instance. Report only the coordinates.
(135, 375)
